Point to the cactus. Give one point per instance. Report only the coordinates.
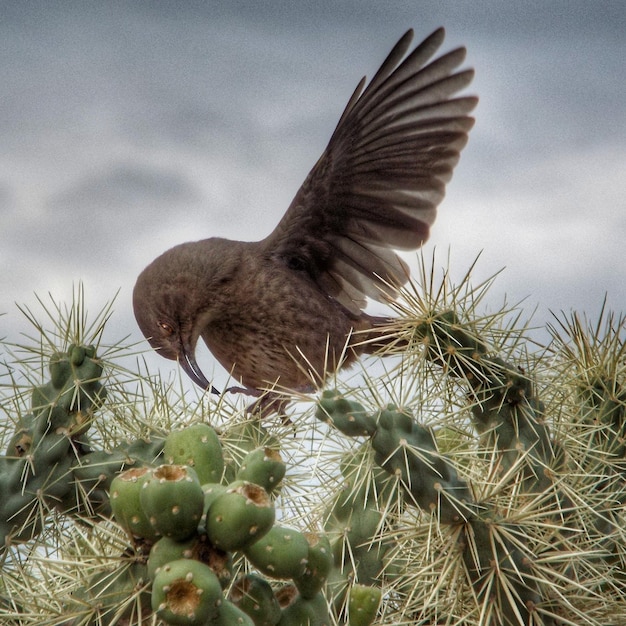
(475, 483)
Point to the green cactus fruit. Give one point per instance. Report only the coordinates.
(173, 501)
(231, 615)
(255, 596)
(186, 592)
(280, 553)
(318, 566)
(363, 603)
(198, 548)
(239, 516)
(166, 550)
(197, 446)
(346, 415)
(125, 497)
(299, 611)
(241, 438)
(264, 467)
(211, 491)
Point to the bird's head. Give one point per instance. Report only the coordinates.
(171, 304)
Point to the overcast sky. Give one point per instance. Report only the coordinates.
(129, 127)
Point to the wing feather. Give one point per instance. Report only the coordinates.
(376, 187)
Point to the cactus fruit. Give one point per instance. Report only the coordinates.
(239, 516)
(319, 562)
(280, 553)
(173, 500)
(231, 615)
(211, 491)
(263, 466)
(363, 603)
(255, 596)
(197, 446)
(299, 611)
(198, 548)
(186, 592)
(126, 504)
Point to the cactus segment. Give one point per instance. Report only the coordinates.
(408, 450)
(107, 590)
(346, 415)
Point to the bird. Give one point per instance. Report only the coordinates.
(286, 310)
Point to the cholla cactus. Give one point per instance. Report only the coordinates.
(475, 482)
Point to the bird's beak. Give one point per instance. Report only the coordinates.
(192, 369)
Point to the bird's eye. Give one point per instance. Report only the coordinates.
(166, 328)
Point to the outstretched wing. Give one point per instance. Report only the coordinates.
(378, 183)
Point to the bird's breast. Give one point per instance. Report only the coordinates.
(278, 327)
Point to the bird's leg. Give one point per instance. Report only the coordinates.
(268, 402)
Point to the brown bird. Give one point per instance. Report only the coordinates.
(280, 309)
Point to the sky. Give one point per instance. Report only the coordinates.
(129, 127)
